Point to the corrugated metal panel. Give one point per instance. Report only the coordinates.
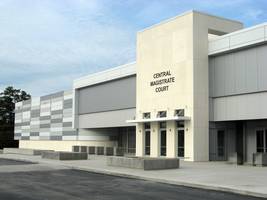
(107, 119)
(239, 72)
(262, 63)
(113, 95)
(240, 107)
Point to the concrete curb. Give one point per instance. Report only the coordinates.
(157, 180)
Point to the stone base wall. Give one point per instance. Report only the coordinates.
(64, 155)
(143, 163)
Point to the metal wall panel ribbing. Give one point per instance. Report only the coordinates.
(44, 119)
(239, 72)
(113, 95)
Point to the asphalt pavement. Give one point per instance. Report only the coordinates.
(73, 184)
(12, 162)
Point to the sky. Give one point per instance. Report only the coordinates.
(45, 44)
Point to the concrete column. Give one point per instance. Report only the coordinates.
(189, 144)
(171, 140)
(155, 140)
(140, 140)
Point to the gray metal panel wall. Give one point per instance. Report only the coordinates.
(115, 118)
(240, 107)
(239, 72)
(112, 95)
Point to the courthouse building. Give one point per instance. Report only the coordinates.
(198, 90)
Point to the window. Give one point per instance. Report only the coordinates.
(179, 113)
(146, 115)
(162, 114)
(147, 138)
(147, 126)
(162, 125)
(180, 124)
(261, 140)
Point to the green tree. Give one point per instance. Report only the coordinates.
(8, 98)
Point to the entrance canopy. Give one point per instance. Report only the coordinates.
(159, 119)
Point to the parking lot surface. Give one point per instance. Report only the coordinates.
(13, 162)
(73, 184)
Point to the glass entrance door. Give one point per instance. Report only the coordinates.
(180, 143)
(147, 138)
(180, 138)
(163, 138)
(163, 142)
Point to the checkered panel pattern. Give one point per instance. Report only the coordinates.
(46, 118)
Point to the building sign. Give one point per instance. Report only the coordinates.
(162, 80)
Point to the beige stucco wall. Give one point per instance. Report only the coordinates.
(162, 48)
(61, 145)
(181, 46)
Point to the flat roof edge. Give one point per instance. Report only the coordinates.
(106, 75)
(186, 13)
(248, 37)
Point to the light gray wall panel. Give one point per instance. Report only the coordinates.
(55, 137)
(251, 70)
(69, 133)
(219, 75)
(34, 133)
(240, 107)
(113, 95)
(56, 112)
(211, 109)
(211, 76)
(60, 120)
(27, 102)
(45, 117)
(229, 75)
(239, 72)
(262, 63)
(35, 113)
(115, 118)
(67, 124)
